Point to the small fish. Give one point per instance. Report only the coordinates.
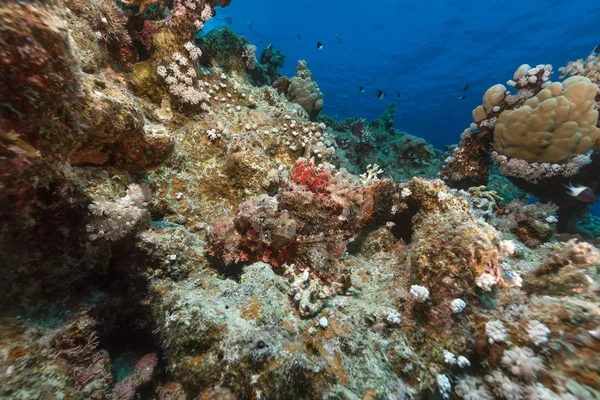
(270, 47)
(249, 24)
(466, 87)
(399, 94)
(229, 20)
(380, 94)
(319, 45)
(597, 49)
(361, 89)
(462, 97)
(581, 193)
(338, 37)
(298, 36)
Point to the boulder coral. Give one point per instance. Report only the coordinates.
(302, 89)
(542, 138)
(556, 124)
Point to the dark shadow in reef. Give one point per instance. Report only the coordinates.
(232, 271)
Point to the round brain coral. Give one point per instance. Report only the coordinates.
(556, 124)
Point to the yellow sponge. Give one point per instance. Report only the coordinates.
(559, 122)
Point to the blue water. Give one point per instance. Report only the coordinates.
(427, 50)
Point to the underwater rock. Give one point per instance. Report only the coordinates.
(309, 221)
(468, 164)
(62, 359)
(223, 48)
(206, 338)
(68, 120)
(440, 217)
(40, 75)
(115, 126)
(217, 330)
(451, 275)
(532, 224)
(566, 271)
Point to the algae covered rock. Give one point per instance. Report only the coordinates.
(265, 71)
(225, 49)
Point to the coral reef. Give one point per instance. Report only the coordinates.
(179, 221)
(555, 125)
(400, 155)
(542, 138)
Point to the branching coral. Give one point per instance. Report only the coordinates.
(590, 68)
(185, 86)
